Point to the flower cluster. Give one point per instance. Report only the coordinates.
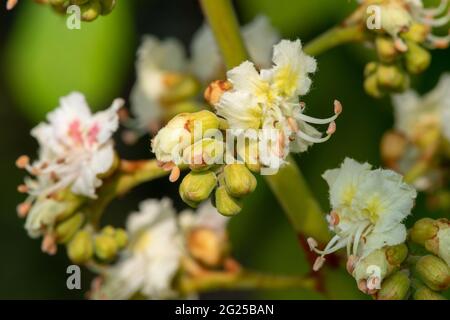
(268, 101)
(162, 248)
(76, 151)
(421, 135)
(402, 33)
(368, 207)
(168, 82)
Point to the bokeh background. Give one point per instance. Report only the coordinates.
(41, 60)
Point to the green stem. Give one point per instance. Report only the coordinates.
(243, 281)
(129, 175)
(333, 38)
(224, 24)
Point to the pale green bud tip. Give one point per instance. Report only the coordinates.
(417, 58)
(66, 229)
(207, 119)
(80, 248)
(226, 204)
(395, 287)
(197, 186)
(434, 272)
(239, 181)
(423, 230)
(105, 247)
(424, 293)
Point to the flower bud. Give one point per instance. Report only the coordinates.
(207, 119)
(203, 154)
(80, 248)
(215, 90)
(197, 186)
(417, 59)
(371, 86)
(386, 49)
(179, 88)
(424, 293)
(107, 6)
(91, 10)
(239, 181)
(108, 231)
(423, 230)
(226, 204)
(66, 229)
(417, 32)
(395, 287)
(393, 146)
(121, 238)
(434, 272)
(105, 247)
(391, 77)
(205, 246)
(395, 255)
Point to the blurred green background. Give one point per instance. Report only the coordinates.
(41, 60)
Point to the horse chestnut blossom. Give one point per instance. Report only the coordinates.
(158, 242)
(368, 207)
(268, 100)
(75, 148)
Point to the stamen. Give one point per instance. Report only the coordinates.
(435, 22)
(318, 263)
(49, 244)
(400, 45)
(23, 209)
(331, 128)
(337, 107)
(351, 263)
(334, 218)
(436, 11)
(308, 138)
(292, 124)
(174, 174)
(438, 41)
(167, 166)
(22, 162)
(312, 243)
(10, 4)
(23, 188)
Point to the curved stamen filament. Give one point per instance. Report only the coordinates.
(437, 10)
(439, 22)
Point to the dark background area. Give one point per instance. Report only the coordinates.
(41, 60)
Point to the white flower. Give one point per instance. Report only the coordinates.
(414, 114)
(75, 147)
(259, 37)
(152, 258)
(368, 207)
(268, 100)
(157, 61)
(206, 216)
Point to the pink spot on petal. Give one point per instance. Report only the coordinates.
(93, 133)
(74, 132)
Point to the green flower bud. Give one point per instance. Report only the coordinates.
(423, 230)
(108, 231)
(424, 293)
(370, 68)
(417, 32)
(197, 186)
(371, 86)
(395, 255)
(395, 287)
(121, 237)
(180, 87)
(91, 10)
(204, 154)
(65, 230)
(434, 272)
(386, 49)
(239, 181)
(105, 247)
(207, 119)
(417, 58)
(80, 248)
(391, 77)
(107, 6)
(226, 204)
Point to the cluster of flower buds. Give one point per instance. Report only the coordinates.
(89, 9)
(103, 246)
(169, 82)
(419, 145)
(163, 250)
(402, 33)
